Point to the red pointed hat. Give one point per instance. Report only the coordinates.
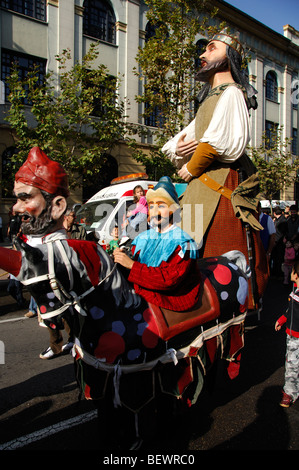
(43, 173)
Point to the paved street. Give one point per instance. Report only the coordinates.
(243, 414)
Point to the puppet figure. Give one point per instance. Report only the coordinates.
(221, 177)
(164, 270)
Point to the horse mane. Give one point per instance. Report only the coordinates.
(112, 278)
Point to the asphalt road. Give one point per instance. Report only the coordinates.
(40, 410)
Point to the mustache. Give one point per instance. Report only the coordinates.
(32, 225)
(210, 67)
(158, 219)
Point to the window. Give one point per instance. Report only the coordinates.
(271, 134)
(33, 8)
(99, 20)
(155, 118)
(25, 63)
(295, 92)
(100, 97)
(150, 31)
(200, 48)
(271, 86)
(294, 141)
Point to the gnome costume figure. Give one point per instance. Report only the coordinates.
(164, 270)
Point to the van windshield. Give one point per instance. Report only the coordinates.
(94, 214)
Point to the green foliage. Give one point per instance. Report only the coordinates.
(156, 164)
(276, 165)
(77, 126)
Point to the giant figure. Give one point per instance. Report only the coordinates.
(221, 177)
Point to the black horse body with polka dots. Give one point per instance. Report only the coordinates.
(120, 337)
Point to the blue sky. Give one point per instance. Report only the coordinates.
(272, 13)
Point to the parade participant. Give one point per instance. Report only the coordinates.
(73, 229)
(293, 223)
(281, 227)
(164, 266)
(114, 243)
(220, 175)
(136, 221)
(291, 319)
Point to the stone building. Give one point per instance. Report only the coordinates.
(36, 31)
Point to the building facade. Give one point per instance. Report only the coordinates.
(36, 31)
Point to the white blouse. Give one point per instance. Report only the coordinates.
(228, 132)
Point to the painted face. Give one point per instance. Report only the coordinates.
(33, 209)
(29, 200)
(215, 51)
(212, 60)
(160, 212)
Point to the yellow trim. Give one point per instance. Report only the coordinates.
(212, 184)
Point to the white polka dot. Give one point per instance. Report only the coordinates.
(224, 295)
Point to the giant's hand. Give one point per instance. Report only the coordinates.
(121, 258)
(185, 149)
(184, 174)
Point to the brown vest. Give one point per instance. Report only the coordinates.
(197, 192)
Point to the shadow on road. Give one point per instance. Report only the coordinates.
(249, 402)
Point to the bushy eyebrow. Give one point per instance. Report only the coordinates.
(212, 43)
(157, 202)
(22, 195)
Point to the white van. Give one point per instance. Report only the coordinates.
(265, 204)
(108, 207)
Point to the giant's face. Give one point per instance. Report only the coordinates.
(160, 212)
(33, 208)
(213, 60)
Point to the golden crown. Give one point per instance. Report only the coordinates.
(230, 40)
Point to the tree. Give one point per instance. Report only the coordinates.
(276, 165)
(166, 70)
(77, 126)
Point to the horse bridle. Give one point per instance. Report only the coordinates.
(68, 299)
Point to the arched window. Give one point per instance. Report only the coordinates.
(200, 48)
(295, 92)
(150, 30)
(155, 118)
(271, 86)
(99, 20)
